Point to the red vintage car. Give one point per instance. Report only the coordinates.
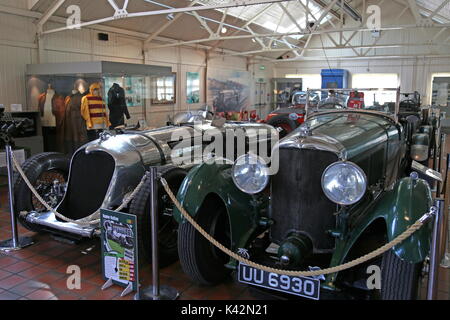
(287, 120)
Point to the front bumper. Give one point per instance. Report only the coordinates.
(50, 223)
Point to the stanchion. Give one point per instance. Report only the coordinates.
(156, 291)
(434, 252)
(16, 243)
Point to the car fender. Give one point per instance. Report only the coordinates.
(399, 208)
(207, 179)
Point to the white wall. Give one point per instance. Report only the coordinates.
(18, 48)
(414, 74)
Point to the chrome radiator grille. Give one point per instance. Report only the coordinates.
(298, 203)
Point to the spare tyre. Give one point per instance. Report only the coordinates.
(283, 124)
(48, 173)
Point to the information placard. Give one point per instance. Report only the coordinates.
(119, 249)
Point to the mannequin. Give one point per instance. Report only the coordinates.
(81, 87)
(48, 118)
(75, 132)
(117, 106)
(93, 111)
(51, 106)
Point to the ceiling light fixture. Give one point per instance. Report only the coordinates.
(224, 30)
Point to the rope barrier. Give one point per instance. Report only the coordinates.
(411, 230)
(94, 218)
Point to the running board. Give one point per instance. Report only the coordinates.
(48, 220)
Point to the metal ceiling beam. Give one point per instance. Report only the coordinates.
(257, 39)
(248, 23)
(326, 11)
(335, 58)
(293, 20)
(232, 4)
(220, 23)
(436, 16)
(47, 14)
(167, 24)
(370, 47)
(32, 3)
(224, 16)
(203, 24)
(322, 4)
(438, 9)
(316, 32)
(122, 32)
(278, 27)
(415, 10)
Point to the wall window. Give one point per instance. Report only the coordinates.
(192, 87)
(310, 81)
(377, 81)
(164, 90)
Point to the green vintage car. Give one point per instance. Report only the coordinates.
(343, 188)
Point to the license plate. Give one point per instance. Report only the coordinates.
(299, 286)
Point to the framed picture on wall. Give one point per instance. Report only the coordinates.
(163, 90)
(192, 87)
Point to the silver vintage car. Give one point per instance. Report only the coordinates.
(103, 173)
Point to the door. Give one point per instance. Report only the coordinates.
(261, 99)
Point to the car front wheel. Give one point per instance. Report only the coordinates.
(400, 279)
(48, 173)
(201, 260)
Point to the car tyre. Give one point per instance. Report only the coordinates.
(400, 279)
(201, 260)
(140, 207)
(34, 168)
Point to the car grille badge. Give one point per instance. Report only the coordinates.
(320, 277)
(244, 253)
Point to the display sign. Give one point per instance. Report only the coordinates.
(299, 286)
(119, 250)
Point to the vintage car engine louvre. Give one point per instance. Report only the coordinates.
(298, 203)
(88, 184)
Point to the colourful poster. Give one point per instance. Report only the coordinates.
(119, 248)
(229, 90)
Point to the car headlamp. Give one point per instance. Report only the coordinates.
(344, 183)
(250, 174)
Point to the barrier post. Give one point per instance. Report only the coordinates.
(155, 291)
(445, 236)
(434, 252)
(16, 243)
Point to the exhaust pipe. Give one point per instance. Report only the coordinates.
(48, 219)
